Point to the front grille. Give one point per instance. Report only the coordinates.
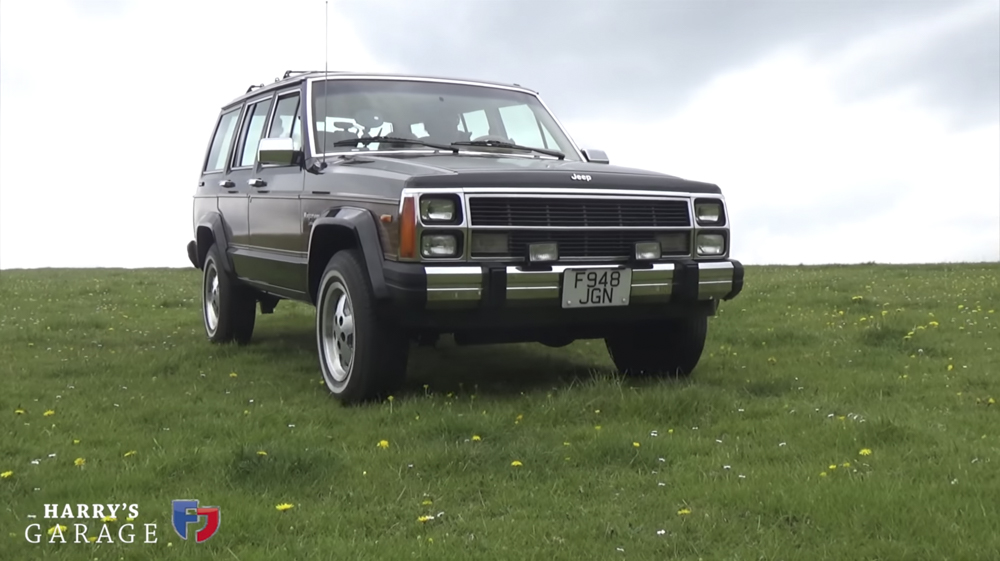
(580, 213)
(613, 244)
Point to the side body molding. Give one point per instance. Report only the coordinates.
(358, 227)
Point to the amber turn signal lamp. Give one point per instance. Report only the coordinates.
(408, 229)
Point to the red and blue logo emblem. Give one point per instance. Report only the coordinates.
(187, 512)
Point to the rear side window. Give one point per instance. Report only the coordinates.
(222, 140)
(253, 129)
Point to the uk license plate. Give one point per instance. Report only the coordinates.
(593, 288)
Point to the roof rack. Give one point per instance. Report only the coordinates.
(254, 87)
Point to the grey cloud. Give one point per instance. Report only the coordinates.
(629, 58)
(959, 71)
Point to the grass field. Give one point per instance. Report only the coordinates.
(838, 413)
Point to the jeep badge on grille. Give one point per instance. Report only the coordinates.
(578, 177)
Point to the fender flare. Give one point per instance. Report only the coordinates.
(213, 222)
(361, 224)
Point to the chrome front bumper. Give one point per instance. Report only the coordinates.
(467, 286)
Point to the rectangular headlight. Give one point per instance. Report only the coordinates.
(437, 209)
(711, 244)
(708, 212)
(489, 243)
(438, 245)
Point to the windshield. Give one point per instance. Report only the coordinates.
(435, 112)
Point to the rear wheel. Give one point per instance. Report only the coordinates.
(362, 355)
(664, 348)
(229, 309)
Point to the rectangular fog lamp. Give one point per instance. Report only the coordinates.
(543, 252)
(645, 251)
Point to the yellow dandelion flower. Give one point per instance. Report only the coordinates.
(129, 519)
(961, 306)
(951, 367)
(233, 374)
(261, 453)
(108, 519)
(933, 323)
(565, 443)
(7, 474)
(516, 463)
(391, 399)
(76, 441)
(518, 419)
(991, 401)
(129, 453)
(636, 444)
(846, 464)
(53, 529)
(427, 502)
(425, 518)
(822, 474)
(597, 411)
(684, 511)
(92, 539)
(832, 467)
(597, 427)
(49, 413)
(670, 431)
(885, 313)
(19, 411)
(79, 462)
(476, 438)
(383, 444)
(283, 507)
(865, 452)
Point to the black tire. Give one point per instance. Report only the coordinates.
(362, 354)
(664, 348)
(230, 309)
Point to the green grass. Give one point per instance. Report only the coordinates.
(792, 383)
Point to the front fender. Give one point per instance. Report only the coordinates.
(360, 224)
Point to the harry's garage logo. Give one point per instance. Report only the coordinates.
(106, 515)
(186, 512)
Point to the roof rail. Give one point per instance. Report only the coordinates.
(253, 87)
(288, 73)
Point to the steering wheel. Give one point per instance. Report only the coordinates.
(495, 137)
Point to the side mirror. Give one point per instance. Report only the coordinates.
(278, 151)
(596, 156)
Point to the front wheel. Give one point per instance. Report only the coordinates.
(663, 348)
(362, 355)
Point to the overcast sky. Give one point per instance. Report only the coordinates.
(840, 131)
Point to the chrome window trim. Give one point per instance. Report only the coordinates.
(309, 109)
(243, 119)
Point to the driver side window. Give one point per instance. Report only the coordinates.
(523, 127)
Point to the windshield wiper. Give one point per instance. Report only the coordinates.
(396, 139)
(501, 144)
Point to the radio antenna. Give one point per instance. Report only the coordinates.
(326, 72)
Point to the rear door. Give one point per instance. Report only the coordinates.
(215, 188)
(234, 199)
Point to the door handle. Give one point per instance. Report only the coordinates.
(225, 183)
(257, 182)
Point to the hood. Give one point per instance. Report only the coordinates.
(450, 170)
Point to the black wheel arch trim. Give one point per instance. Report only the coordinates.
(197, 251)
(361, 224)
